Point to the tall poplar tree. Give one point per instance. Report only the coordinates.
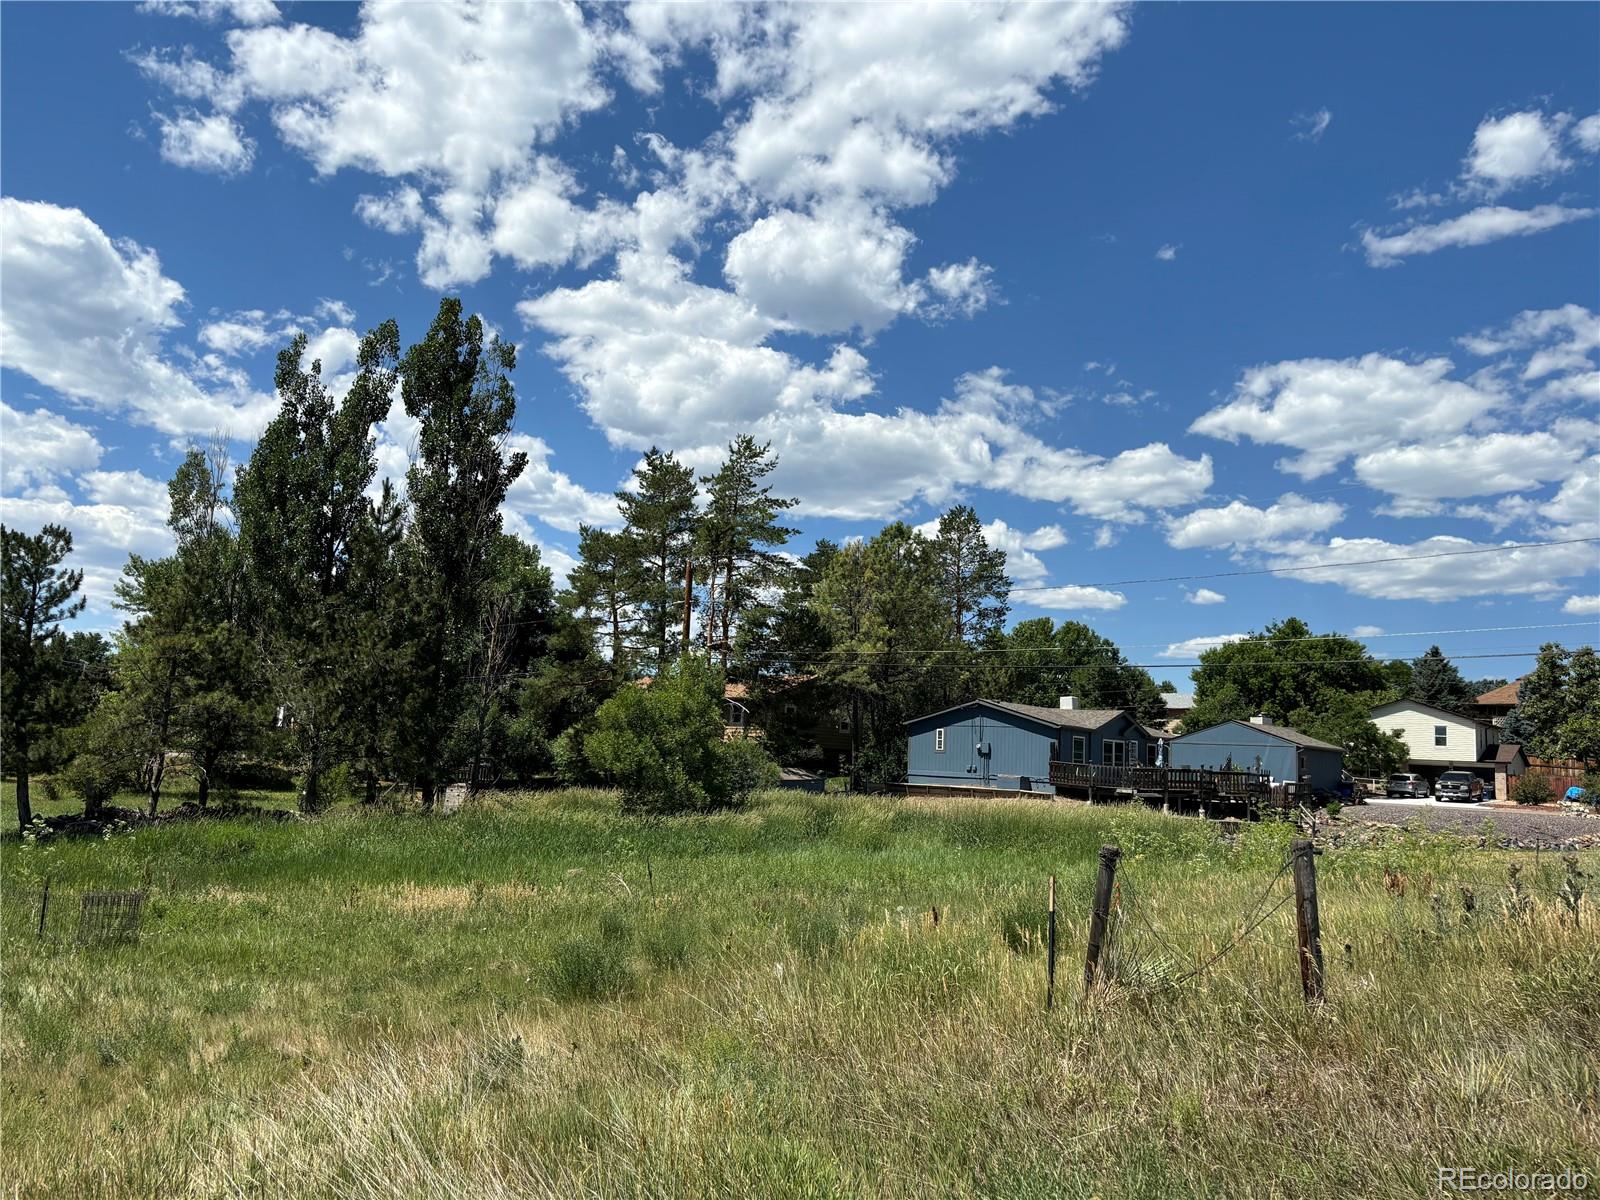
(36, 595)
(303, 506)
(457, 386)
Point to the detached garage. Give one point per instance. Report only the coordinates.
(1257, 745)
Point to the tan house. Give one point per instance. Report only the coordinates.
(1438, 740)
(1493, 706)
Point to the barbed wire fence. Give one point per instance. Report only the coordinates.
(1132, 948)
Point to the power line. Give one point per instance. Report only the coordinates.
(1316, 637)
(1331, 566)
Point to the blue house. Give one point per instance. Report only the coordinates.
(1004, 746)
(1283, 753)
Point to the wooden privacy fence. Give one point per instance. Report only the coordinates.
(1561, 772)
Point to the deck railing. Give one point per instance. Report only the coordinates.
(1161, 780)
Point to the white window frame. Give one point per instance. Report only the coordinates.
(1441, 735)
(1080, 748)
(1113, 758)
(938, 741)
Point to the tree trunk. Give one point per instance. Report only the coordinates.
(159, 766)
(427, 790)
(371, 796)
(203, 789)
(158, 771)
(727, 610)
(24, 801)
(311, 798)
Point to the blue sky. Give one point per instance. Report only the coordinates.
(1161, 291)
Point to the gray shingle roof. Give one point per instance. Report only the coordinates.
(1293, 736)
(1063, 719)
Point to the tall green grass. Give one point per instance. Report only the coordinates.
(542, 997)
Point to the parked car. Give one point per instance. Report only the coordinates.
(1459, 785)
(1409, 787)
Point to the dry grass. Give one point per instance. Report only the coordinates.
(547, 999)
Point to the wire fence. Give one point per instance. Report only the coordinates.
(66, 916)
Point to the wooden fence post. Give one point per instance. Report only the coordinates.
(1308, 924)
(1050, 952)
(44, 906)
(1100, 914)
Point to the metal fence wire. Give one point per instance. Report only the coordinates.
(89, 918)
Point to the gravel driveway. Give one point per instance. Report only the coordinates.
(1516, 826)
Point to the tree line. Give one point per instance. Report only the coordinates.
(371, 639)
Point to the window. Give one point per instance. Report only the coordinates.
(1441, 735)
(938, 741)
(1150, 753)
(1113, 753)
(1080, 749)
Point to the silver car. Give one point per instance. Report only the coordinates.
(1409, 787)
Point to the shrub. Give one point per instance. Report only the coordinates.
(1591, 788)
(662, 745)
(95, 778)
(1531, 789)
(748, 768)
(585, 969)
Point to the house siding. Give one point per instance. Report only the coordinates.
(1465, 739)
(1019, 748)
(1243, 743)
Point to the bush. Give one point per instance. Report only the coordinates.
(1531, 789)
(663, 746)
(1591, 788)
(585, 969)
(748, 768)
(95, 778)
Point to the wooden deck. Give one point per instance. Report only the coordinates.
(1175, 787)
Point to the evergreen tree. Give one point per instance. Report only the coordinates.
(739, 536)
(658, 536)
(1542, 702)
(972, 577)
(1558, 705)
(303, 506)
(36, 595)
(597, 592)
(458, 389)
(881, 606)
(1436, 681)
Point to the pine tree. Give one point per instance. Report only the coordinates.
(302, 503)
(972, 576)
(597, 592)
(659, 532)
(36, 596)
(1436, 681)
(880, 604)
(740, 534)
(458, 388)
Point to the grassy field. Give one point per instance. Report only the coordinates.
(541, 997)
